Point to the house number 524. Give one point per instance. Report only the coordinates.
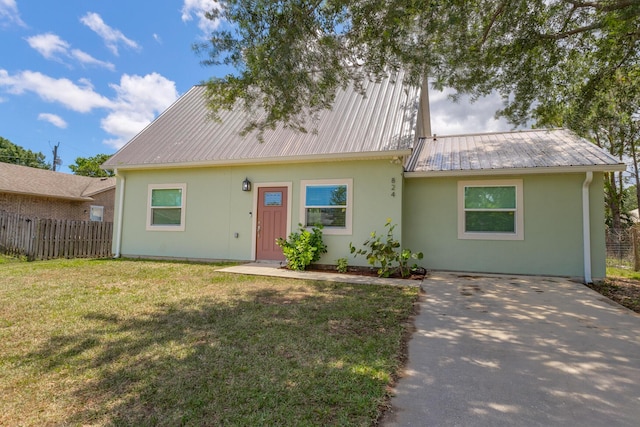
(393, 187)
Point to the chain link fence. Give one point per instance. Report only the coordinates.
(620, 246)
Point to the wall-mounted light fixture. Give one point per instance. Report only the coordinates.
(246, 185)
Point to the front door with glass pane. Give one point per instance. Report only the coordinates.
(271, 222)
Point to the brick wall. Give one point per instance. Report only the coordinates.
(50, 208)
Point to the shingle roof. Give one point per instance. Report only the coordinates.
(39, 182)
(185, 134)
(532, 151)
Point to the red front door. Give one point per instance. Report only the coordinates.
(271, 223)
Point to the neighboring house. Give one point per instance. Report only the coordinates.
(40, 193)
(522, 202)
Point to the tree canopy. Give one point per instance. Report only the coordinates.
(90, 166)
(610, 117)
(290, 56)
(12, 153)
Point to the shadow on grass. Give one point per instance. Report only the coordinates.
(270, 358)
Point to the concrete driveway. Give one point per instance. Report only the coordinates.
(519, 351)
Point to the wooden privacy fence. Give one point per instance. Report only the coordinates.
(39, 239)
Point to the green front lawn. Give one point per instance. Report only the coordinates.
(122, 342)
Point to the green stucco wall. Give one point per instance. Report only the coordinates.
(216, 208)
(553, 242)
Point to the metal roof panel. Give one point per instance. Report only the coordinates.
(383, 120)
(540, 148)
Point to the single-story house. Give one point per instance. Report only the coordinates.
(527, 202)
(39, 193)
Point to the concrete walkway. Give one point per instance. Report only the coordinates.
(275, 269)
(519, 351)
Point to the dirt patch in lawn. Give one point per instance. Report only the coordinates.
(624, 291)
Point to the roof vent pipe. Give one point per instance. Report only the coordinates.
(424, 113)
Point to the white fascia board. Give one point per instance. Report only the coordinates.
(271, 160)
(518, 171)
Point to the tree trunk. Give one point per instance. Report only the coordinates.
(636, 173)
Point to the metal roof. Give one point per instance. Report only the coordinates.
(382, 122)
(532, 151)
(45, 183)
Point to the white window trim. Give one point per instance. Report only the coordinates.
(519, 212)
(101, 208)
(183, 208)
(349, 214)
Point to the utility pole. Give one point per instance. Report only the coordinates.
(56, 159)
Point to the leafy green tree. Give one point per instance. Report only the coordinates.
(630, 199)
(609, 115)
(291, 56)
(12, 153)
(90, 166)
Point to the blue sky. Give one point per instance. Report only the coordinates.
(90, 74)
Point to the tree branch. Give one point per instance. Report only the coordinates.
(495, 16)
(566, 34)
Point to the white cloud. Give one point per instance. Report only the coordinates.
(78, 97)
(49, 45)
(86, 59)
(54, 48)
(138, 101)
(112, 37)
(53, 119)
(463, 117)
(157, 38)
(197, 9)
(9, 14)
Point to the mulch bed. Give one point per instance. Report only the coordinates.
(363, 271)
(625, 292)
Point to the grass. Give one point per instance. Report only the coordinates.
(621, 285)
(141, 343)
(4, 259)
(626, 273)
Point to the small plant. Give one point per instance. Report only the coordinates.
(387, 254)
(343, 265)
(303, 247)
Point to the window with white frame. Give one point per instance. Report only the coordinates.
(96, 213)
(166, 207)
(490, 210)
(328, 203)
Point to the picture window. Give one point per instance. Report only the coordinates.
(490, 210)
(328, 203)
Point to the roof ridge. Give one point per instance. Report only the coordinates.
(88, 191)
(510, 132)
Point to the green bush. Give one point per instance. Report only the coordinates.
(343, 265)
(303, 247)
(386, 255)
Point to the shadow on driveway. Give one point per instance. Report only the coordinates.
(505, 351)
